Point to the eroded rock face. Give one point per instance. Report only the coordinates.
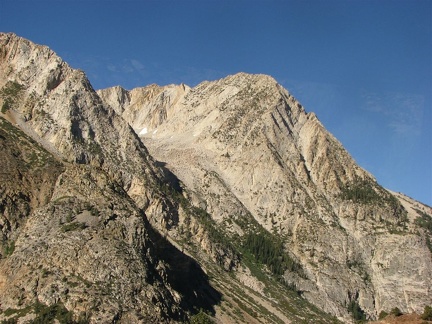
(95, 222)
(76, 179)
(243, 145)
(59, 105)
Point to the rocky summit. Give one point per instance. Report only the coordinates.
(226, 203)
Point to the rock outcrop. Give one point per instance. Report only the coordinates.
(75, 184)
(152, 204)
(243, 145)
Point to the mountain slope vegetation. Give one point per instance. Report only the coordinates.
(224, 202)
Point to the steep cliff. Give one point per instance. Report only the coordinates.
(248, 152)
(151, 204)
(76, 242)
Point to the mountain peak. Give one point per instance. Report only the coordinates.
(244, 146)
(247, 80)
(149, 187)
(251, 77)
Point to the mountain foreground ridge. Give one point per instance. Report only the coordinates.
(169, 203)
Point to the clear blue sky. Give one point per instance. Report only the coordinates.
(364, 67)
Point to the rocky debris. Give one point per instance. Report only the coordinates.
(76, 240)
(243, 145)
(27, 178)
(402, 319)
(149, 205)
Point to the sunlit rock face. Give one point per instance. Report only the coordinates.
(135, 206)
(76, 183)
(244, 145)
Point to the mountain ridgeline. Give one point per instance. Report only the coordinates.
(225, 202)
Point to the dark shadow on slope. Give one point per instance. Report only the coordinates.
(169, 177)
(185, 275)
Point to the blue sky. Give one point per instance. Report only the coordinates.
(364, 67)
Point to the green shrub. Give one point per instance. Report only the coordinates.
(396, 312)
(55, 313)
(201, 318)
(15, 314)
(424, 221)
(382, 315)
(360, 192)
(9, 248)
(11, 89)
(6, 106)
(10, 93)
(73, 226)
(47, 314)
(269, 251)
(427, 314)
(357, 313)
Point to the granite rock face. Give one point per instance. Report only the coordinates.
(74, 189)
(243, 145)
(138, 206)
